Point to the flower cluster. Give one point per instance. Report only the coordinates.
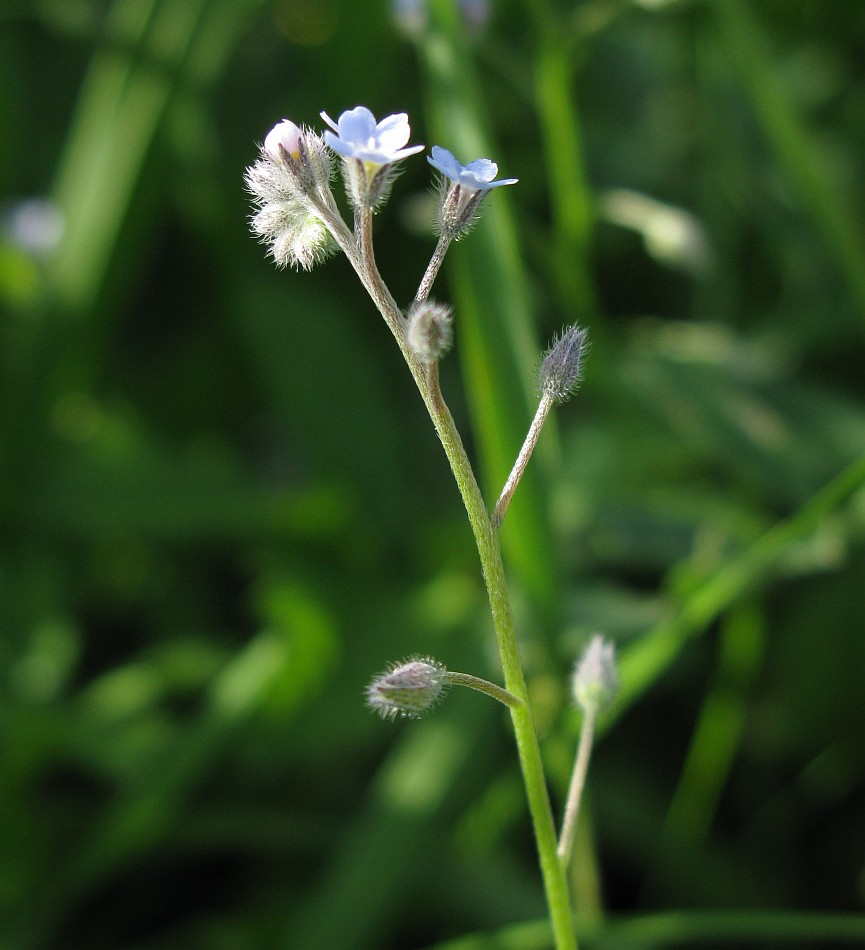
(289, 183)
(297, 217)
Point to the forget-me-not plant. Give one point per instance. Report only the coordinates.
(298, 218)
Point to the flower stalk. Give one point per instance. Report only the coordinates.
(501, 506)
(576, 787)
(558, 377)
(433, 268)
(594, 686)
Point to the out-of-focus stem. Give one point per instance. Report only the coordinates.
(522, 461)
(578, 783)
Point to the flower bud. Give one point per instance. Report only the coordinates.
(408, 689)
(561, 369)
(430, 330)
(283, 137)
(595, 680)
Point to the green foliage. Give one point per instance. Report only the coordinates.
(222, 508)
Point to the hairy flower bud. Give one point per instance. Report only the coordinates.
(595, 680)
(561, 367)
(410, 688)
(430, 330)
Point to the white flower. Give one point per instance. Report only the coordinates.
(476, 176)
(358, 135)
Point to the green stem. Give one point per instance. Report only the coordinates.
(482, 686)
(486, 538)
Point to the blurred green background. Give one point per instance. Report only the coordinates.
(222, 508)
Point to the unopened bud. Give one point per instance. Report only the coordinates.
(410, 688)
(295, 163)
(596, 681)
(283, 137)
(430, 330)
(561, 367)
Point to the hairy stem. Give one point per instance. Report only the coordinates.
(522, 461)
(486, 537)
(358, 249)
(433, 268)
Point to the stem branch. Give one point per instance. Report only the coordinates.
(358, 249)
(522, 461)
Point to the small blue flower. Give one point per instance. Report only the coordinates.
(358, 135)
(476, 176)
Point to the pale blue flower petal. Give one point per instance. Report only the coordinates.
(443, 160)
(393, 132)
(359, 136)
(357, 126)
(482, 169)
(476, 176)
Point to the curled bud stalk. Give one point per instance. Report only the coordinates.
(594, 685)
(558, 377)
(290, 185)
(561, 367)
(414, 686)
(429, 333)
